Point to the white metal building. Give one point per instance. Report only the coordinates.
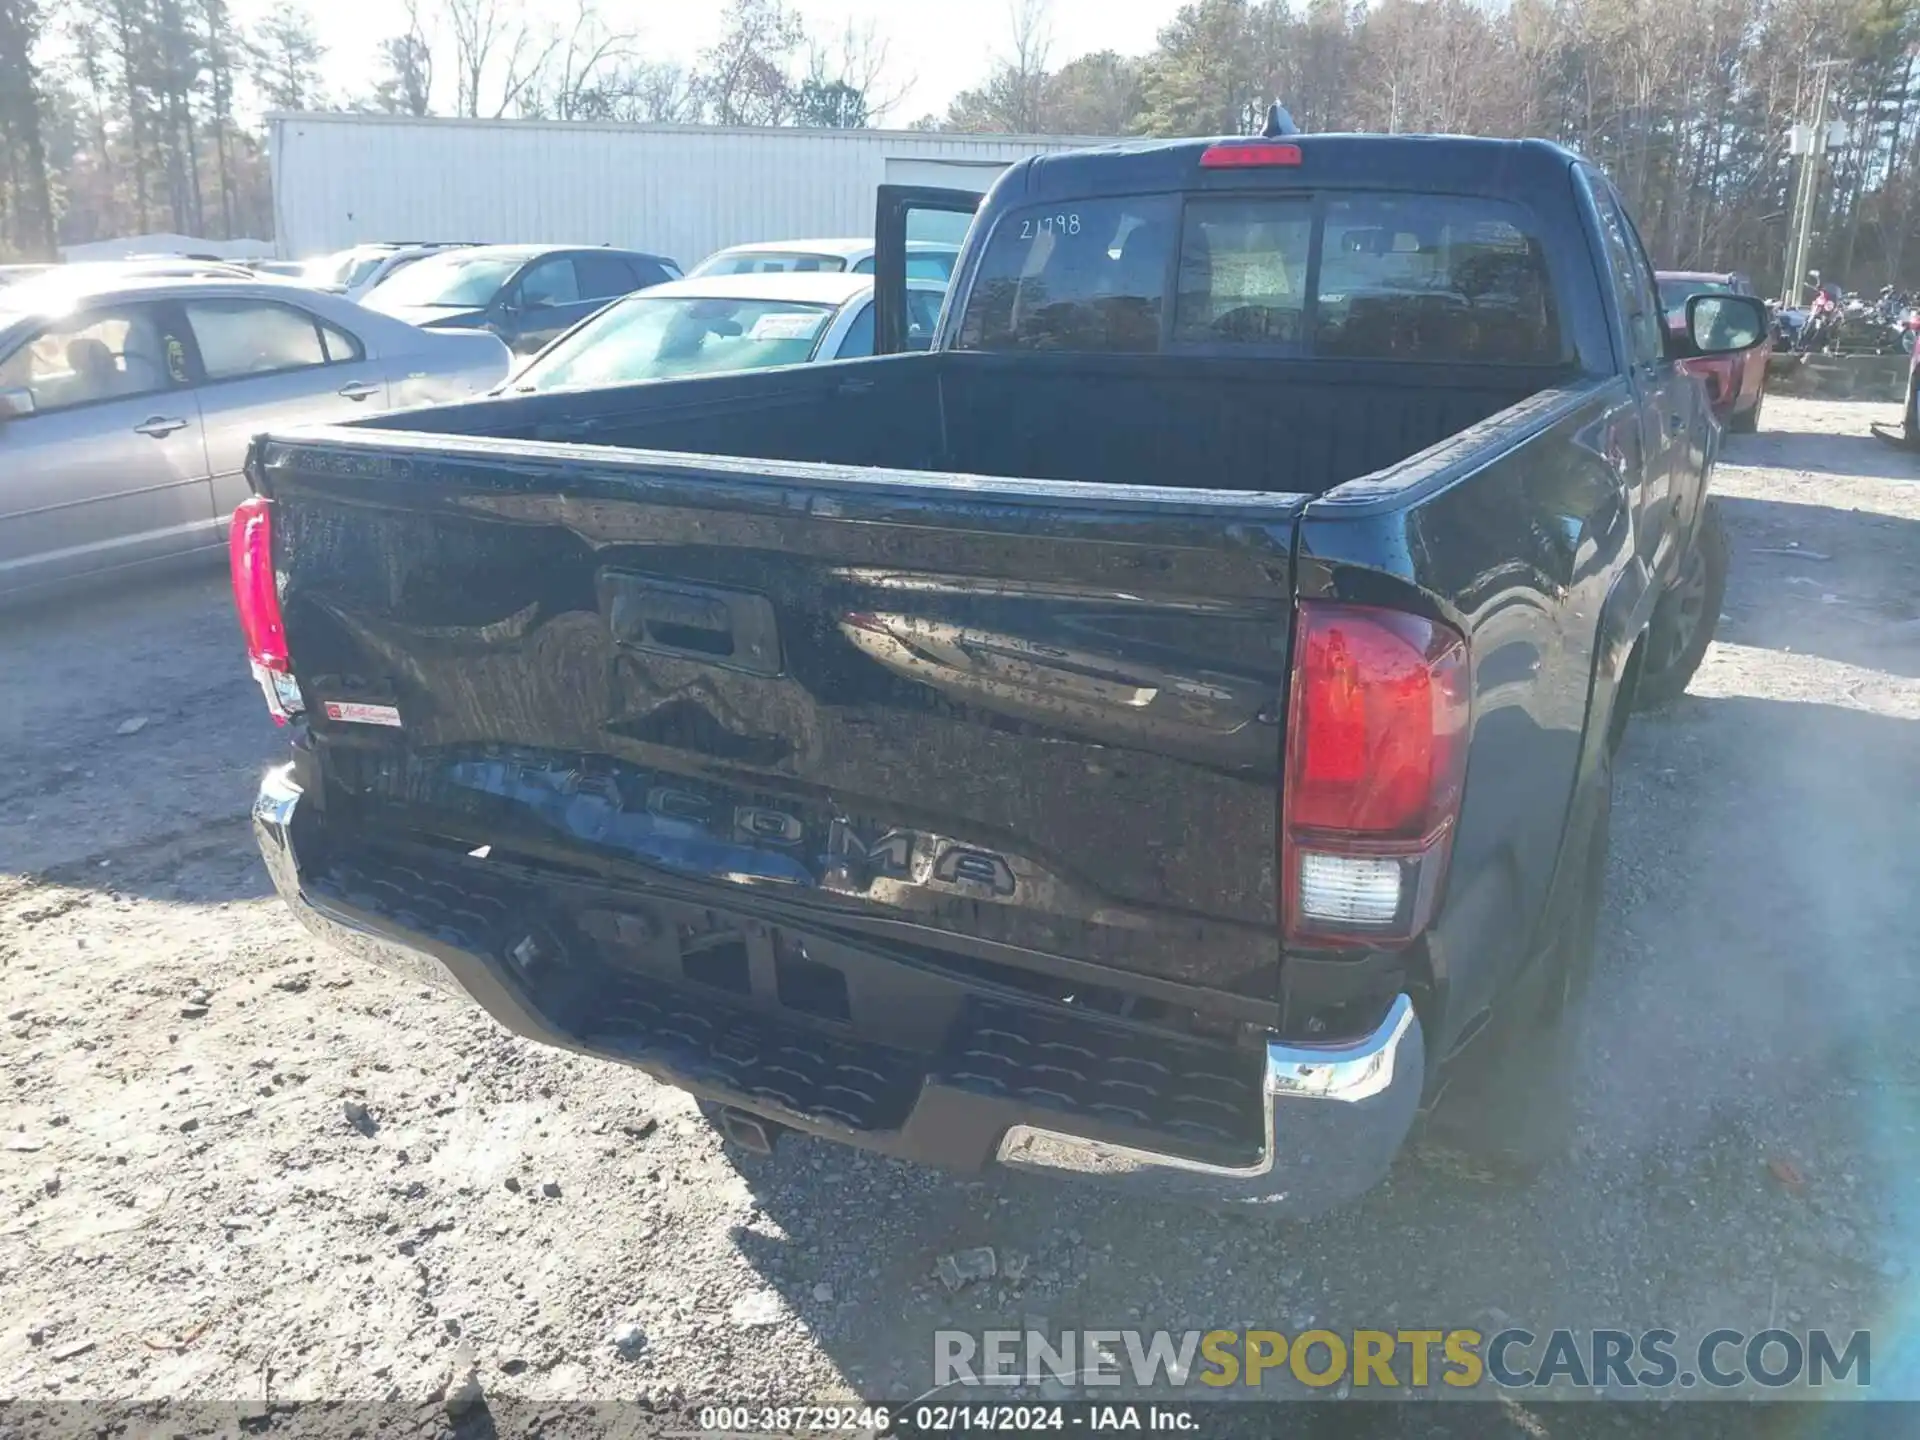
(677, 190)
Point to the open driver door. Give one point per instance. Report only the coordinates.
(916, 230)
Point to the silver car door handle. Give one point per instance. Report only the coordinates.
(358, 390)
(159, 426)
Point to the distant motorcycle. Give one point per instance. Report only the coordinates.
(1824, 322)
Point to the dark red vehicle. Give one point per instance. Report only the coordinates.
(1736, 383)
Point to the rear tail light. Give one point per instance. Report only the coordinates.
(1376, 757)
(256, 600)
(1244, 154)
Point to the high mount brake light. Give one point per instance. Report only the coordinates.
(1241, 154)
(1376, 759)
(256, 600)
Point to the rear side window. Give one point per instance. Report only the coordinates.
(768, 262)
(857, 343)
(1090, 275)
(1437, 278)
(550, 282)
(252, 337)
(652, 272)
(341, 347)
(602, 276)
(1399, 277)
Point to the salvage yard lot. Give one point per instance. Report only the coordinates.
(236, 1165)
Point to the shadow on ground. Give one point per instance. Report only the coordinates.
(1754, 916)
(1850, 454)
(1814, 579)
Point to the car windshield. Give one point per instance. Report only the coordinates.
(648, 338)
(362, 269)
(773, 262)
(339, 269)
(1674, 295)
(449, 282)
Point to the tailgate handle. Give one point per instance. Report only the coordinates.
(730, 628)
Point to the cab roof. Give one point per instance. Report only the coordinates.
(1459, 164)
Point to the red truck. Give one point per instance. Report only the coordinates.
(1736, 382)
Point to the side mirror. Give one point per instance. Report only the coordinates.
(1725, 324)
(15, 404)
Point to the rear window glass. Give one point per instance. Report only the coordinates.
(1430, 277)
(1400, 277)
(768, 262)
(1086, 276)
(1243, 272)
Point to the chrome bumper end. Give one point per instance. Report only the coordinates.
(1336, 1115)
(276, 812)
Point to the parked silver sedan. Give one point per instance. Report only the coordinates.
(126, 410)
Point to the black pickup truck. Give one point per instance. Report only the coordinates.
(1151, 734)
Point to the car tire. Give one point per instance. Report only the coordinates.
(1910, 417)
(1686, 617)
(1509, 1109)
(1747, 421)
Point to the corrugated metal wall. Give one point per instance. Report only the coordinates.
(683, 191)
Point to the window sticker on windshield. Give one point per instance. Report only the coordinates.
(784, 327)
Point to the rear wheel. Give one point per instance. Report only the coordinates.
(1910, 419)
(1748, 421)
(1687, 616)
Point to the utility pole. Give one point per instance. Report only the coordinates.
(1806, 195)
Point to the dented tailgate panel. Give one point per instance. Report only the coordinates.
(1046, 716)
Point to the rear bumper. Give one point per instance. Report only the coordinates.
(1333, 1118)
(1294, 1129)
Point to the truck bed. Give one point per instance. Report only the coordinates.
(1147, 420)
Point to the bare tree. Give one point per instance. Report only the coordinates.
(499, 54)
(858, 63)
(656, 93)
(407, 58)
(578, 84)
(1026, 65)
(746, 77)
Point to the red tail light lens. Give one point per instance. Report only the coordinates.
(255, 595)
(1376, 757)
(1240, 154)
(256, 599)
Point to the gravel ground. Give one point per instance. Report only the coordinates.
(235, 1165)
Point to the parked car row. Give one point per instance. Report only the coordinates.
(126, 405)
(525, 294)
(128, 389)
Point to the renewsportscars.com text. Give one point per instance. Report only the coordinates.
(1459, 1359)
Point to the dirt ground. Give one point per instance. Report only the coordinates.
(187, 1210)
